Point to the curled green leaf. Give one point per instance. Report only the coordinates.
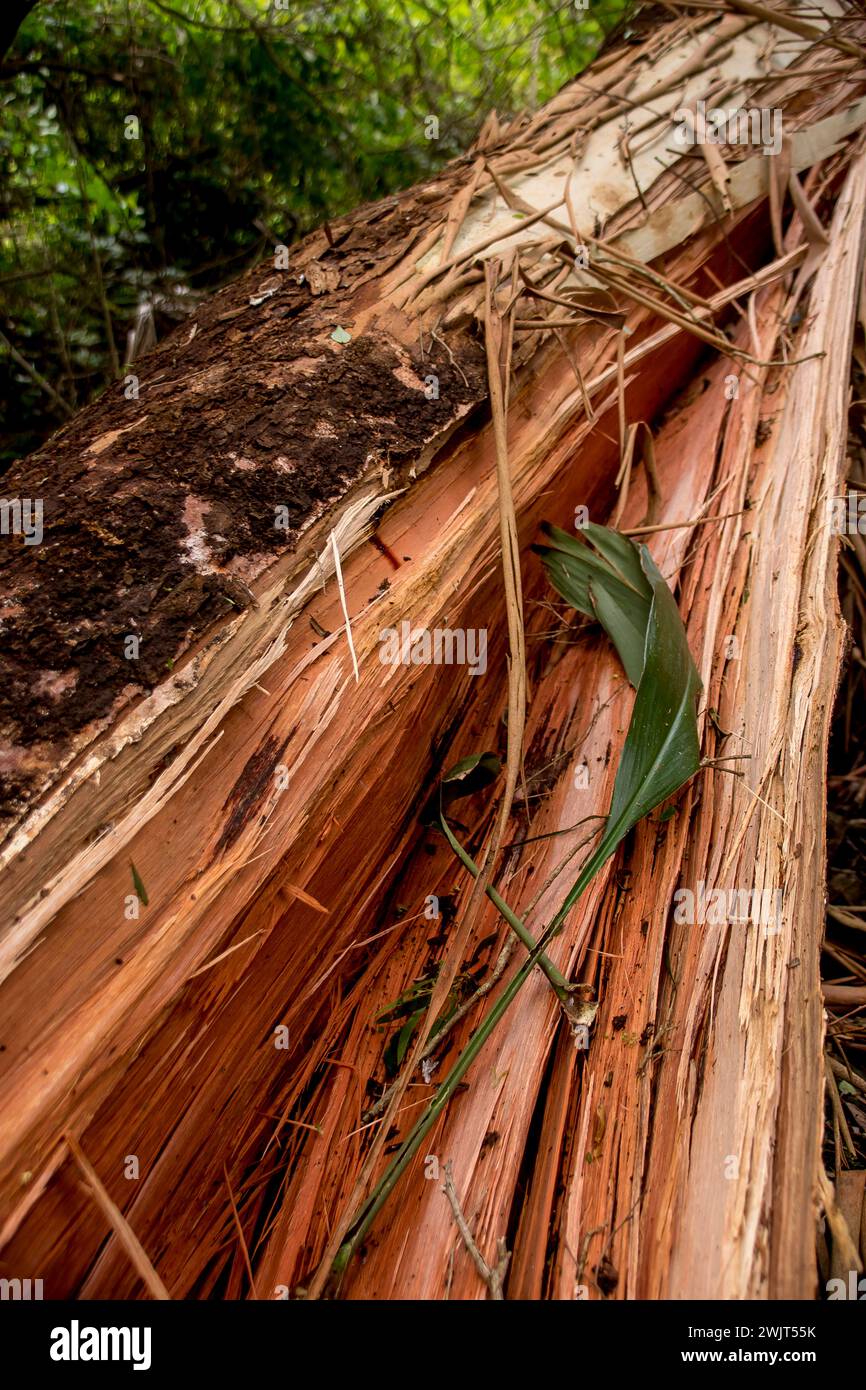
(470, 775)
(607, 577)
(602, 577)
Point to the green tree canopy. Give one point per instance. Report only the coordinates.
(150, 150)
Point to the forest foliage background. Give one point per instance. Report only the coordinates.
(150, 151)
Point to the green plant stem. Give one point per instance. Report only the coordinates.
(377, 1198)
(590, 869)
(560, 984)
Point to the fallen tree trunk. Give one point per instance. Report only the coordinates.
(216, 864)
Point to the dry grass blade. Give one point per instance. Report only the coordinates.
(498, 342)
(240, 1230)
(118, 1223)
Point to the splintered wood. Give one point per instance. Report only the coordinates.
(231, 927)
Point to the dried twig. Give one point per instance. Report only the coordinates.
(493, 1278)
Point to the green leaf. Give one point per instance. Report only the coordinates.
(340, 335)
(470, 775)
(140, 890)
(399, 1043)
(405, 1003)
(406, 1034)
(602, 577)
(661, 750)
